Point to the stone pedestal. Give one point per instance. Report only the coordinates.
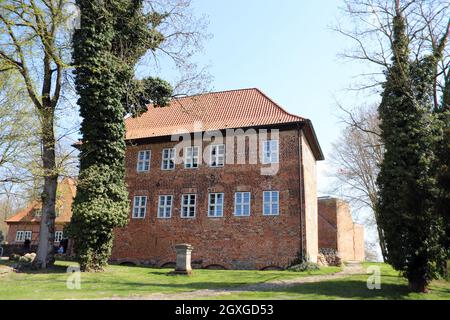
(183, 265)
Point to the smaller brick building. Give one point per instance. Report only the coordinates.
(26, 223)
(337, 230)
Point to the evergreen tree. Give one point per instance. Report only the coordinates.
(113, 35)
(443, 167)
(407, 185)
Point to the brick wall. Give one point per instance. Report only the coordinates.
(344, 231)
(250, 242)
(327, 233)
(310, 200)
(358, 234)
(337, 230)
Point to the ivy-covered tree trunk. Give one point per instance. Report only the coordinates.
(101, 203)
(113, 35)
(407, 185)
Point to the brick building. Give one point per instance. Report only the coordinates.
(337, 230)
(244, 199)
(26, 223)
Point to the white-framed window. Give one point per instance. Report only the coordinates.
(270, 151)
(168, 159)
(242, 204)
(215, 205)
(20, 236)
(165, 206)
(28, 235)
(217, 155)
(191, 155)
(59, 210)
(188, 204)
(58, 236)
(139, 207)
(143, 162)
(271, 203)
(37, 212)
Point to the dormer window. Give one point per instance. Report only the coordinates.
(59, 210)
(37, 213)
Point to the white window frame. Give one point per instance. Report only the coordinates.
(271, 203)
(189, 158)
(143, 161)
(270, 151)
(37, 212)
(241, 204)
(163, 206)
(213, 211)
(20, 236)
(188, 206)
(58, 236)
(59, 210)
(217, 160)
(137, 213)
(28, 235)
(168, 159)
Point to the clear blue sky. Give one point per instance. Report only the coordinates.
(288, 50)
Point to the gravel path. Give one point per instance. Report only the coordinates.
(349, 269)
(5, 270)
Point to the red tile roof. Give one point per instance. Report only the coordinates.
(216, 111)
(67, 190)
(213, 111)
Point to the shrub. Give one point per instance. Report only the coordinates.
(304, 266)
(14, 257)
(27, 258)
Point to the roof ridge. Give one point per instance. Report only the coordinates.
(214, 92)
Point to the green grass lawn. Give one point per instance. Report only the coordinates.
(352, 287)
(125, 281)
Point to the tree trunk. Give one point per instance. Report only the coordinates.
(380, 233)
(382, 243)
(420, 286)
(446, 267)
(45, 252)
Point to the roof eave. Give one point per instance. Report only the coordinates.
(312, 139)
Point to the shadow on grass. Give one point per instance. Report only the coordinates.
(49, 270)
(58, 268)
(344, 289)
(347, 289)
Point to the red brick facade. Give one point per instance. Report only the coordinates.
(252, 242)
(337, 230)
